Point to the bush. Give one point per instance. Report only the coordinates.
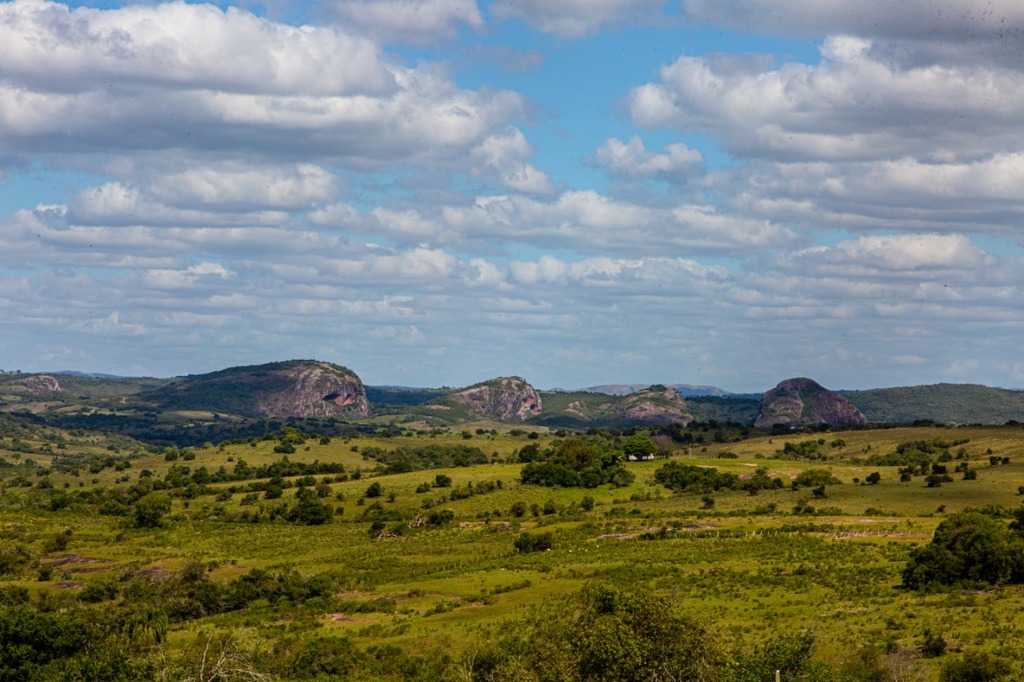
(151, 509)
(686, 477)
(968, 548)
(533, 542)
(440, 517)
(610, 633)
(310, 511)
(974, 666)
(814, 478)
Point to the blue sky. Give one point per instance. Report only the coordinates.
(436, 192)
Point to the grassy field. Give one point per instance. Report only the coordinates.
(754, 565)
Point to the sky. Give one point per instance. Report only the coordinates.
(580, 192)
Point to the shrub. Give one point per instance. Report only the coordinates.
(610, 633)
(533, 542)
(968, 548)
(151, 509)
(814, 478)
(975, 666)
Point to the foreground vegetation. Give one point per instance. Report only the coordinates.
(493, 553)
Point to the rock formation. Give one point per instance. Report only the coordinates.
(655, 405)
(804, 402)
(40, 384)
(297, 388)
(502, 399)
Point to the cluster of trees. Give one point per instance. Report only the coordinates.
(575, 462)
(682, 477)
(435, 456)
(969, 549)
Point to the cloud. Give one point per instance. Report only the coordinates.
(632, 160)
(504, 154)
(195, 78)
(902, 256)
(905, 194)
(960, 20)
(413, 21)
(574, 18)
(117, 204)
(851, 107)
(585, 222)
(182, 46)
(234, 185)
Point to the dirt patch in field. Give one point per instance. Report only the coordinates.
(343, 618)
(637, 530)
(65, 559)
(88, 569)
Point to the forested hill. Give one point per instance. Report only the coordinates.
(942, 403)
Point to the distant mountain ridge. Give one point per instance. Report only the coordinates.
(686, 390)
(314, 389)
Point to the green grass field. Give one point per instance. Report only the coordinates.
(748, 563)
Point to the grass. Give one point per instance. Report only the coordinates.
(750, 564)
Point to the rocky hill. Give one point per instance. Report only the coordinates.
(296, 388)
(804, 402)
(40, 384)
(654, 405)
(502, 399)
(581, 410)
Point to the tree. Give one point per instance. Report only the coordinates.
(310, 510)
(533, 542)
(789, 654)
(639, 447)
(150, 510)
(374, 490)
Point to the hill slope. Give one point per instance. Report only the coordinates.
(943, 403)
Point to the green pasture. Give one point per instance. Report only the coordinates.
(748, 563)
